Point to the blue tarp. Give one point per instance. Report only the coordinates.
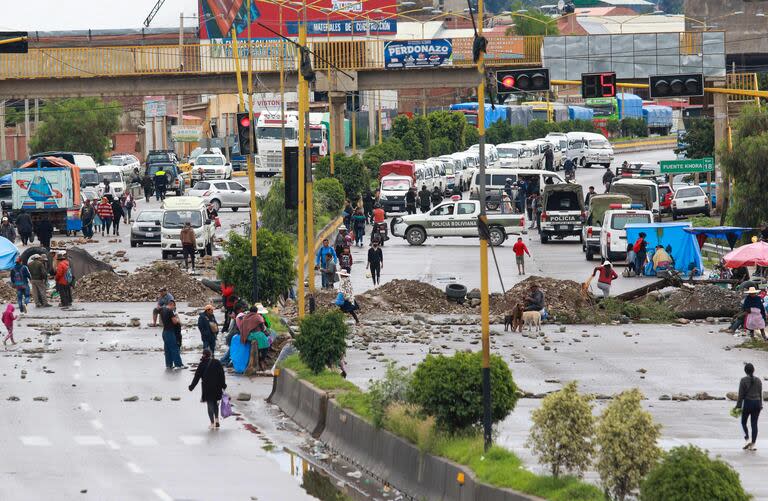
(239, 353)
(580, 113)
(728, 233)
(657, 116)
(8, 253)
(630, 105)
(685, 248)
(492, 113)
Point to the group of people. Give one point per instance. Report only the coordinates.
(639, 262)
(26, 229)
(105, 214)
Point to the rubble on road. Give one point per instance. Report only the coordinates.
(560, 296)
(702, 301)
(142, 285)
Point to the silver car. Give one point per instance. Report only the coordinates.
(227, 194)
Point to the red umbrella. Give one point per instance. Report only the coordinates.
(755, 254)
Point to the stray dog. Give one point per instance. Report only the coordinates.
(532, 318)
(514, 319)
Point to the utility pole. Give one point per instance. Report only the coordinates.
(179, 98)
(302, 92)
(281, 57)
(26, 124)
(252, 169)
(483, 230)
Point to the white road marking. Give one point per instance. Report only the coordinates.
(134, 468)
(113, 445)
(97, 424)
(35, 441)
(89, 440)
(141, 440)
(191, 439)
(162, 494)
(77, 363)
(85, 407)
(80, 352)
(76, 377)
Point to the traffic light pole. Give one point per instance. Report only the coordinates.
(302, 160)
(482, 229)
(252, 172)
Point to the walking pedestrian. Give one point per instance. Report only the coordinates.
(7, 230)
(211, 372)
(328, 272)
(410, 200)
(358, 222)
(375, 262)
(64, 279)
(24, 227)
(170, 320)
(755, 313)
(341, 239)
(160, 183)
(520, 250)
(751, 403)
(87, 215)
(607, 179)
(345, 260)
(117, 215)
(8, 318)
(368, 206)
(104, 210)
(320, 258)
(605, 275)
(44, 232)
(38, 272)
(128, 204)
(591, 193)
(437, 197)
(164, 297)
(346, 214)
(346, 297)
(188, 245)
(424, 199)
(148, 185)
(20, 279)
(641, 253)
(208, 327)
(228, 299)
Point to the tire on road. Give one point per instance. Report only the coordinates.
(456, 292)
(31, 251)
(544, 237)
(216, 204)
(590, 254)
(496, 235)
(415, 235)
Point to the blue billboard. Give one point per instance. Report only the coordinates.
(418, 53)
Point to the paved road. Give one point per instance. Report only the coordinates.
(85, 437)
(441, 261)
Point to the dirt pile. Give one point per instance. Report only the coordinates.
(409, 296)
(702, 301)
(142, 285)
(560, 296)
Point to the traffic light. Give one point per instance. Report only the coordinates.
(676, 85)
(246, 134)
(13, 42)
(598, 85)
(291, 173)
(515, 81)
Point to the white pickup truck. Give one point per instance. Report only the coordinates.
(456, 218)
(613, 236)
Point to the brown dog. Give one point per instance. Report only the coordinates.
(514, 319)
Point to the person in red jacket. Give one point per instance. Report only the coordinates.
(520, 249)
(104, 210)
(63, 279)
(229, 299)
(605, 275)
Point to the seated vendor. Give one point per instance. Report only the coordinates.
(661, 259)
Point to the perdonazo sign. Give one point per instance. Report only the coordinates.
(418, 53)
(219, 17)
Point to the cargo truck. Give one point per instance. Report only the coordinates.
(48, 188)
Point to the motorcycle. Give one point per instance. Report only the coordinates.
(379, 233)
(570, 175)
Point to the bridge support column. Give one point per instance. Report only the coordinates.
(338, 106)
(721, 134)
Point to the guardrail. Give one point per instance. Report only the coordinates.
(207, 58)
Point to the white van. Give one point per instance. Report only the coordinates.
(180, 210)
(470, 166)
(113, 174)
(491, 155)
(517, 155)
(425, 175)
(453, 168)
(643, 182)
(613, 236)
(560, 139)
(558, 158)
(439, 177)
(587, 149)
(495, 179)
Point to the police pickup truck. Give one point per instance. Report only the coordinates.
(563, 211)
(456, 218)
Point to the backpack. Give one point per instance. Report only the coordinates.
(68, 277)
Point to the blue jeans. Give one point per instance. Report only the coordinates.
(225, 360)
(172, 354)
(21, 297)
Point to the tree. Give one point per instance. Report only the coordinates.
(276, 270)
(391, 149)
(699, 138)
(322, 339)
(448, 388)
(81, 124)
(561, 435)
(350, 171)
(442, 146)
(688, 474)
(448, 124)
(746, 166)
(626, 437)
(531, 23)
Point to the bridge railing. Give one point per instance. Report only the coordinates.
(204, 58)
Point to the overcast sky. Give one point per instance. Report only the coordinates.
(50, 15)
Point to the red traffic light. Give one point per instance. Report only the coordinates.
(508, 82)
(245, 121)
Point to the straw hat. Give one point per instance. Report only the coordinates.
(752, 290)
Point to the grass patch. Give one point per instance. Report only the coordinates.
(704, 222)
(647, 308)
(754, 344)
(276, 324)
(326, 380)
(358, 402)
(405, 420)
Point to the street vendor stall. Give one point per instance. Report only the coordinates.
(681, 245)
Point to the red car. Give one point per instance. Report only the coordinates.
(666, 193)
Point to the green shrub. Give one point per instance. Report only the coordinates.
(349, 170)
(688, 474)
(450, 389)
(391, 149)
(626, 437)
(322, 341)
(329, 194)
(613, 126)
(405, 420)
(274, 215)
(276, 271)
(442, 146)
(471, 136)
(561, 435)
(393, 387)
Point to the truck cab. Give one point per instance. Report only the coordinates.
(393, 190)
(613, 235)
(269, 133)
(180, 210)
(563, 211)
